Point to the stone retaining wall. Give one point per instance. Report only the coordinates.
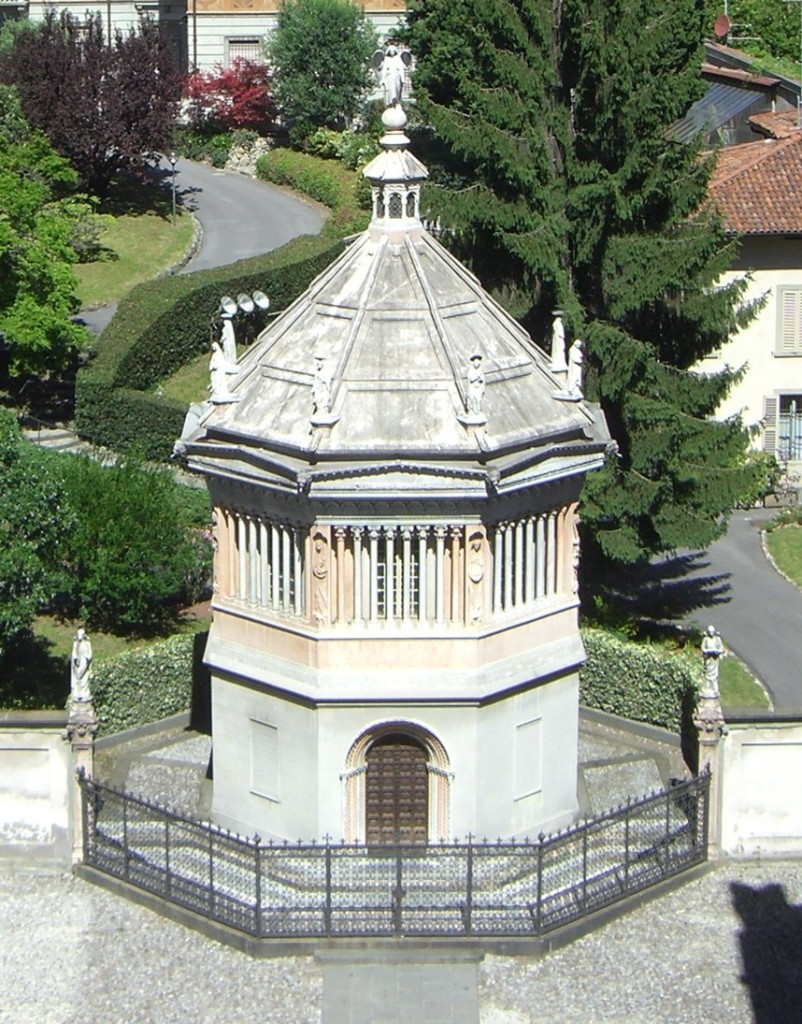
(35, 788)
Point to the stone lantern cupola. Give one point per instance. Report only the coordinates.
(395, 176)
(395, 648)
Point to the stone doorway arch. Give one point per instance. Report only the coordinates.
(397, 786)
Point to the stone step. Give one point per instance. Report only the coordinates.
(57, 439)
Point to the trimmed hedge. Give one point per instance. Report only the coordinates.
(146, 685)
(346, 192)
(162, 325)
(641, 682)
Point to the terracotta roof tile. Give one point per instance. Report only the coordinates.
(758, 186)
(778, 124)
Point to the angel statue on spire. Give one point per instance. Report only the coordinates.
(391, 63)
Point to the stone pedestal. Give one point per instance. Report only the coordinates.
(82, 728)
(711, 727)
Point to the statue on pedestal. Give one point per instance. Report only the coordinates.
(228, 340)
(576, 358)
(321, 388)
(558, 364)
(476, 385)
(391, 65)
(81, 667)
(712, 652)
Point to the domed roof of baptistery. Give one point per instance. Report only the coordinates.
(395, 357)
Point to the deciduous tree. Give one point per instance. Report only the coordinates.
(320, 58)
(39, 216)
(234, 97)
(131, 560)
(34, 520)
(104, 104)
(565, 191)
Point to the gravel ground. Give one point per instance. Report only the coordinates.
(70, 951)
(688, 957)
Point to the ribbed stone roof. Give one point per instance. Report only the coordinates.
(391, 327)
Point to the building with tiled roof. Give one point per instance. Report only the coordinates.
(757, 188)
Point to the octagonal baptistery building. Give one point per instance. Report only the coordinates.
(394, 472)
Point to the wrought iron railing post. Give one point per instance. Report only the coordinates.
(126, 852)
(626, 843)
(539, 907)
(398, 892)
(328, 904)
(705, 786)
(211, 874)
(469, 886)
(585, 866)
(257, 867)
(85, 816)
(667, 838)
(167, 880)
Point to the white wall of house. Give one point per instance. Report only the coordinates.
(208, 37)
(770, 348)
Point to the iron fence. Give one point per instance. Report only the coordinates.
(515, 888)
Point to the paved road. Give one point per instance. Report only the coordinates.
(760, 613)
(735, 588)
(240, 217)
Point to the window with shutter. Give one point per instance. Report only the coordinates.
(789, 326)
(770, 425)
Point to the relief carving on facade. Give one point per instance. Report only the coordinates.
(475, 574)
(321, 603)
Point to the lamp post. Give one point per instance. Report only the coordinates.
(173, 161)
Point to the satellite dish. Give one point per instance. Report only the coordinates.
(261, 300)
(722, 26)
(228, 305)
(245, 302)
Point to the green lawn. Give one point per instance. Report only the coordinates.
(191, 382)
(38, 674)
(739, 688)
(138, 241)
(785, 547)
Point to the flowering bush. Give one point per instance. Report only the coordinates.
(229, 98)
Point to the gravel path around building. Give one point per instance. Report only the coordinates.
(70, 951)
(678, 960)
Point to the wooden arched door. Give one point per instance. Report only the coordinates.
(397, 791)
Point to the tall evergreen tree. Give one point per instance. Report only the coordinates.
(559, 175)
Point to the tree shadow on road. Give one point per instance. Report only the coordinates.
(663, 592)
(771, 951)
